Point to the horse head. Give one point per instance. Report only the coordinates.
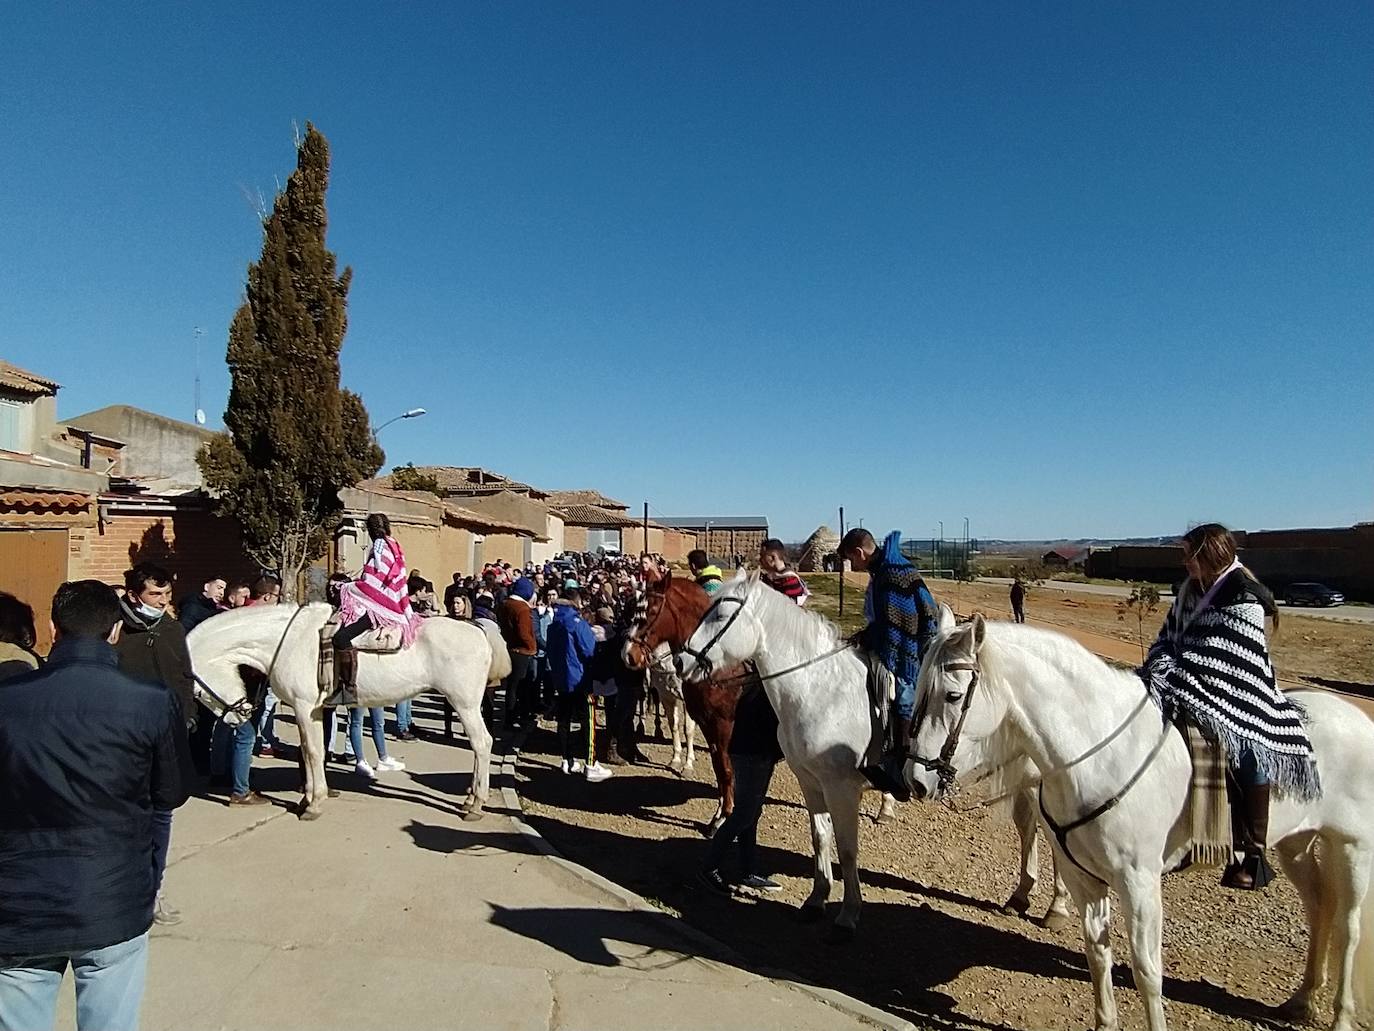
(249, 637)
(666, 613)
(956, 714)
(726, 634)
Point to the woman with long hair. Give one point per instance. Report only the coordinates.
(378, 598)
(1211, 665)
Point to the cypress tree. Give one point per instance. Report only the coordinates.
(295, 437)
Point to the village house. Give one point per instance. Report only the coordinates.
(723, 537)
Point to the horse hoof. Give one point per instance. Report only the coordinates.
(310, 814)
(839, 935)
(1297, 1010)
(811, 914)
(1016, 907)
(1053, 921)
(473, 815)
(333, 792)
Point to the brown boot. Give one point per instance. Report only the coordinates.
(346, 673)
(1251, 821)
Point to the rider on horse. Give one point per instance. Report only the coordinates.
(902, 621)
(1211, 666)
(377, 599)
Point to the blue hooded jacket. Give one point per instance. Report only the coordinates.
(570, 642)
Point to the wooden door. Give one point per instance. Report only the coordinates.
(33, 564)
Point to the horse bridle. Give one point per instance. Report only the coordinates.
(703, 660)
(943, 766)
(246, 706)
(651, 614)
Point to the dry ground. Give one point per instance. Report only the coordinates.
(932, 946)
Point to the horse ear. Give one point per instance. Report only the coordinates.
(946, 617)
(980, 630)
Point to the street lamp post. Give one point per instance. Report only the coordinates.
(413, 413)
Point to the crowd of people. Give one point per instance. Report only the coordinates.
(100, 744)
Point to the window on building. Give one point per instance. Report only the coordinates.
(12, 424)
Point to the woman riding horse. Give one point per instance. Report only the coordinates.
(377, 599)
(1211, 665)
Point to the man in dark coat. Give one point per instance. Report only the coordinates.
(197, 608)
(87, 756)
(152, 648)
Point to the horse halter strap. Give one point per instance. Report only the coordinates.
(943, 766)
(651, 614)
(700, 654)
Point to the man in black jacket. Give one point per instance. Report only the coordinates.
(87, 755)
(197, 608)
(152, 647)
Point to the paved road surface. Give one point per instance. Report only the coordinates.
(390, 912)
(1343, 613)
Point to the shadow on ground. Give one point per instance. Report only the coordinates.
(903, 954)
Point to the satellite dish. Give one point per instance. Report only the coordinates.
(200, 416)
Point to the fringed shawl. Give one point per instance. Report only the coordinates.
(903, 617)
(1211, 664)
(380, 593)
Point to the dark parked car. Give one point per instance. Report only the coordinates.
(1312, 594)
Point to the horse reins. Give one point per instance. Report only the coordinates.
(945, 770)
(705, 663)
(245, 705)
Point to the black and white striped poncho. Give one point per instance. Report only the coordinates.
(1213, 665)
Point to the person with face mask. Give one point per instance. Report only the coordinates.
(152, 648)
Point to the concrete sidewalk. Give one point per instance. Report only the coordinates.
(392, 912)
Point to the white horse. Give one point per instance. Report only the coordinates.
(993, 693)
(458, 659)
(665, 682)
(818, 687)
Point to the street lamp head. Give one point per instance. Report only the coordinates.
(414, 413)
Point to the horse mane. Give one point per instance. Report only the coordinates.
(795, 619)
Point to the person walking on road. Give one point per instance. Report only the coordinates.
(1018, 600)
(90, 756)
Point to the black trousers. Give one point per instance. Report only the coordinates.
(346, 635)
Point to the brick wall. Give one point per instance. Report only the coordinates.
(193, 545)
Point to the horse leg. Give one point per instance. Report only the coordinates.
(687, 727)
(479, 738)
(1299, 862)
(821, 842)
(844, 803)
(310, 725)
(674, 725)
(1143, 908)
(887, 812)
(1346, 870)
(1095, 904)
(1023, 816)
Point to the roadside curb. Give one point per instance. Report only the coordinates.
(713, 947)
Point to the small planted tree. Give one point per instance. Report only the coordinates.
(1141, 603)
(407, 477)
(295, 438)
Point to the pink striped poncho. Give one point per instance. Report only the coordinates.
(380, 593)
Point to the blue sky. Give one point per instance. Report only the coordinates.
(1065, 269)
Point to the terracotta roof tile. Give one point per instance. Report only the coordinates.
(15, 378)
(65, 501)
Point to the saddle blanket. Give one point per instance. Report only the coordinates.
(383, 641)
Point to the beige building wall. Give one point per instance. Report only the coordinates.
(504, 547)
(543, 551)
(455, 552)
(575, 538)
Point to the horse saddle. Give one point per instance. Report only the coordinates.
(384, 640)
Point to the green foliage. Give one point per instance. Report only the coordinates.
(294, 436)
(1142, 603)
(1029, 573)
(407, 477)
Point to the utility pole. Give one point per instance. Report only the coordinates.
(646, 528)
(841, 557)
(199, 414)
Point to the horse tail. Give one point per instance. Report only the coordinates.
(500, 658)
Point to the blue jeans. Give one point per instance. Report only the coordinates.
(355, 731)
(1247, 770)
(267, 730)
(162, 841)
(753, 773)
(109, 987)
(403, 716)
(231, 751)
(906, 698)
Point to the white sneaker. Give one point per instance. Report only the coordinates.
(573, 766)
(596, 773)
(390, 765)
(362, 769)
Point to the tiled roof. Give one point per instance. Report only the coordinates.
(563, 498)
(15, 378)
(590, 515)
(62, 500)
(467, 517)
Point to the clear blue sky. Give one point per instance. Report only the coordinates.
(1066, 269)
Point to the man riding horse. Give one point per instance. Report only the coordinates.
(903, 620)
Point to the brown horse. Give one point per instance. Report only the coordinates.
(667, 613)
